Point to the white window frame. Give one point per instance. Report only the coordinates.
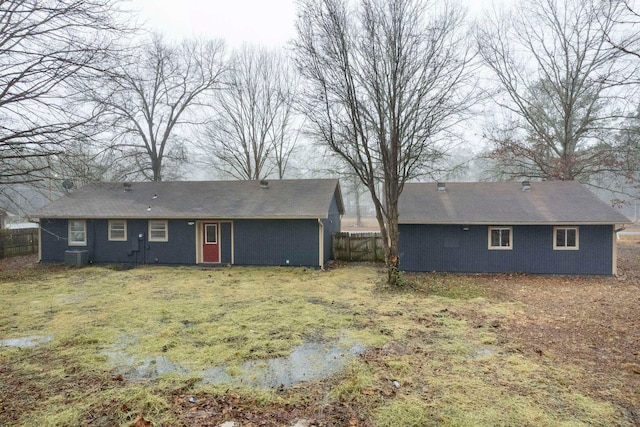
(206, 234)
(501, 248)
(82, 242)
(111, 224)
(565, 248)
(166, 231)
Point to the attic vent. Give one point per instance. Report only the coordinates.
(127, 186)
(67, 185)
(526, 186)
(441, 186)
(264, 183)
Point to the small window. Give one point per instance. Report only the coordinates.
(500, 238)
(77, 232)
(211, 234)
(118, 230)
(158, 231)
(565, 238)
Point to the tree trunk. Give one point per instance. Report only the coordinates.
(393, 258)
(156, 167)
(389, 234)
(393, 261)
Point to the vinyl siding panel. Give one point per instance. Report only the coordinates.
(225, 242)
(331, 225)
(256, 242)
(452, 249)
(180, 249)
(273, 242)
(54, 240)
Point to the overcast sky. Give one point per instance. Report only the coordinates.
(266, 22)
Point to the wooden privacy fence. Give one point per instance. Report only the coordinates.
(358, 247)
(18, 242)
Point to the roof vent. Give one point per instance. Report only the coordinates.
(526, 186)
(127, 186)
(441, 186)
(264, 183)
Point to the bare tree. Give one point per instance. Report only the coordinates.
(558, 78)
(385, 79)
(625, 14)
(252, 134)
(45, 47)
(148, 98)
(85, 162)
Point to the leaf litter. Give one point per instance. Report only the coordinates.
(474, 349)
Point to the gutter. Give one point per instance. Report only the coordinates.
(320, 244)
(160, 215)
(494, 223)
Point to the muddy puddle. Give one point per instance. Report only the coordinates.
(24, 342)
(484, 352)
(307, 362)
(310, 361)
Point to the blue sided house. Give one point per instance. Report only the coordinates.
(555, 227)
(281, 222)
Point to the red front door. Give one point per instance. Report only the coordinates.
(211, 249)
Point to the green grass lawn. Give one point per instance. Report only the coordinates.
(438, 340)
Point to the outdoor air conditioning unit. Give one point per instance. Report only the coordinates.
(76, 258)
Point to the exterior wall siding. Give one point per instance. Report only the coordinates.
(180, 249)
(274, 241)
(255, 242)
(331, 225)
(452, 249)
(54, 240)
(225, 242)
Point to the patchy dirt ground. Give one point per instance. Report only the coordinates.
(590, 323)
(7, 264)
(593, 323)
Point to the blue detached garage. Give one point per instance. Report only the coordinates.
(506, 227)
(282, 222)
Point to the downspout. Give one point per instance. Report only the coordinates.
(320, 244)
(93, 239)
(614, 255)
(39, 241)
(233, 248)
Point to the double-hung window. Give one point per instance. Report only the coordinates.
(500, 238)
(565, 238)
(118, 230)
(77, 232)
(158, 231)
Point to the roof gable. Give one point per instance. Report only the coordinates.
(551, 202)
(305, 198)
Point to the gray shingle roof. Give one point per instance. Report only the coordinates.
(305, 198)
(557, 202)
